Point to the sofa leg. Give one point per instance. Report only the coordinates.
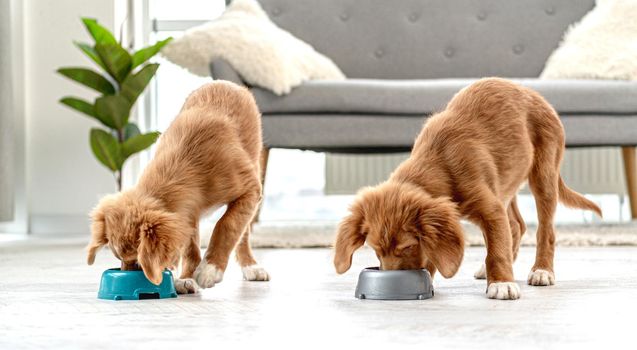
(630, 171)
(265, 154)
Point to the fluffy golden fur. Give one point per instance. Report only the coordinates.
(468, 162)
(208, 157)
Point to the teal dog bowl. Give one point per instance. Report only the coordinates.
(133, 285)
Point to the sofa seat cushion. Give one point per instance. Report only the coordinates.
(418, 97)
(390, 133)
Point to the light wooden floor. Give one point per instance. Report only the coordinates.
(48, 300)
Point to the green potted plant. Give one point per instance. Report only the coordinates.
(126, 76)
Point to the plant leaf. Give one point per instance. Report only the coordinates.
(88, 78)
(130, 130)
(91, 53)
(86, 108)
(116, 59)
(106, 149)
(138, 143)
(115, 108)
(79, 105)
(146, 53)
(100, 34)
(135, 84)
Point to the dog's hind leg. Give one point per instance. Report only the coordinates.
(547, 135)
(518, 227)
(249, 267)
(543, 181)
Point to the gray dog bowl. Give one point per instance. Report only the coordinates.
(394, 284)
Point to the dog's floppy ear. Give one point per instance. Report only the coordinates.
(98, 234)
(348, 238)
(160, 237)
(442, 238)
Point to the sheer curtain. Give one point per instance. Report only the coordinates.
(6, 115)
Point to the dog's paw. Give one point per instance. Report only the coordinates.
(481, 273)
(503, 291)
(186, 286)
(207, 275)
(541, 277)
(255, 273)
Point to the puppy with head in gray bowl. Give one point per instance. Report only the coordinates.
(468, 162)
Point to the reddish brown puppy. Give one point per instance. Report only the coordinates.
(208, 157)
(468, 162)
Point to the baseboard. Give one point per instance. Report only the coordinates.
(59, 224)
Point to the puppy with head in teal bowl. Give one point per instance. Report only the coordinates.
(117, 284)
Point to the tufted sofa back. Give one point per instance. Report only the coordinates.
(424, 39)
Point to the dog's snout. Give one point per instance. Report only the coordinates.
(398, 264)
(389, 265)
(130, 266)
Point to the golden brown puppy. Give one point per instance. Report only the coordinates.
(208, 157)
(468, 162)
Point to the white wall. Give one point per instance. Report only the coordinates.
(19, 224)
(63, 178)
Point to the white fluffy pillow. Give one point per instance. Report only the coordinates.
(603, 45)
(262, 53)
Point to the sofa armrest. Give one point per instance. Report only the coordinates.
(222, 70)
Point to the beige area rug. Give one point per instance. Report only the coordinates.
(319, 235)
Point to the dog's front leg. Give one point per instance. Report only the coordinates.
(190, 259)
(224, 238)
(492, 219)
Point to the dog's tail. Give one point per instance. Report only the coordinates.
(573, 199)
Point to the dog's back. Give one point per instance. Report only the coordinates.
(211, 144)
(490, 130)
(222, 101)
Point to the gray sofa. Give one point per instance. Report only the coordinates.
(405, 59)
